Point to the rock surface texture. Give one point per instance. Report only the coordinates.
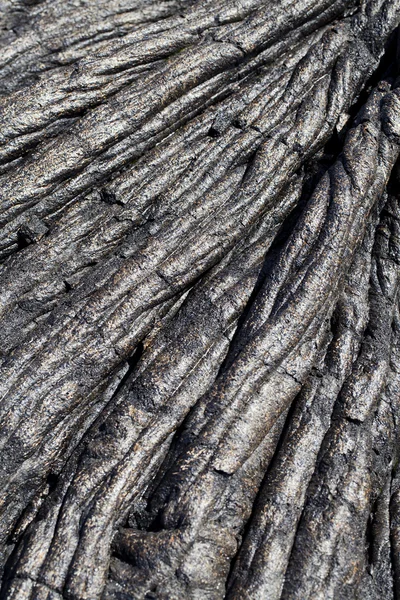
(199, 305)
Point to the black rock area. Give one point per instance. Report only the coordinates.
(199, 306)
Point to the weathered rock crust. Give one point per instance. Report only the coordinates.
(199, 312)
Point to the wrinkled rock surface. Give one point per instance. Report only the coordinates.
(199, 306)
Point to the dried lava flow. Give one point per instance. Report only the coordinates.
(199, 312)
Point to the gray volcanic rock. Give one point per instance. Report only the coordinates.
(199, 308)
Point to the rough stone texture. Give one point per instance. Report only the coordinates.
(199, 308)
